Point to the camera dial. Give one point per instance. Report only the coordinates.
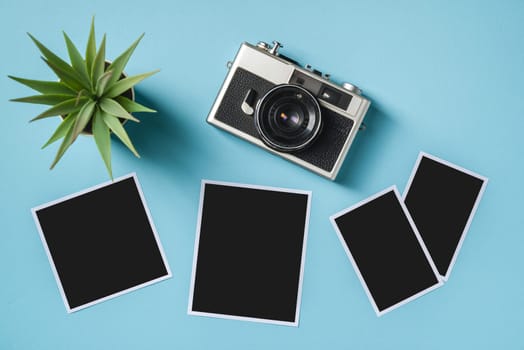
(352, 88)
(288, 118)
(263, 45)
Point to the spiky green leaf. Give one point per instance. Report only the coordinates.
(99, 62)
(62, 129)
(114, 108)
(63, 108)
(91, 47)
(77, 61)
(73, 81)
(118, 65)
(125, 84)
(45, 87)
(102, 82)
(132, 106)
(81, 93)
(102, 139)
(114, 124)
(84, 116)
(51, 99)
(68, 140)
(56, 62)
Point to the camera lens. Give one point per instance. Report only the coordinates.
(288, 118)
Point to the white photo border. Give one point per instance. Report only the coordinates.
(50, 257)
(484, 180)
(355, 266)
(190, 310)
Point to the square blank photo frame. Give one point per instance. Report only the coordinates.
(249, 253)
(101, 243)
(442, 198)
(386, 251)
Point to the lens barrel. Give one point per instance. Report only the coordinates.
(288, 118)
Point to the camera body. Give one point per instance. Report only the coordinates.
(295, 112)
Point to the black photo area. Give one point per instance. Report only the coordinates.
(441, 200)
(101, 242)
(386, 250)
(250, 252)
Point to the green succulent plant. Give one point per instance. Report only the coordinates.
(89, 95)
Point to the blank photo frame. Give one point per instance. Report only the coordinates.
(101, 243)
(249, 254)
(386, 251)
(442, 199)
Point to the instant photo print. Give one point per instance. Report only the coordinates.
(442, 198)
(249, 254)
(101, 243)
(386, 251)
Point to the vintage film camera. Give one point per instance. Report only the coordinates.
(295, 112)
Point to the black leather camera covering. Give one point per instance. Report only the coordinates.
(323, 152)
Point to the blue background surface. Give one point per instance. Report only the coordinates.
(445, 77)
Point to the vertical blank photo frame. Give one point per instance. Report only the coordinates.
(442, 198)
(250, 248)
(101, 243)
(386, 251)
